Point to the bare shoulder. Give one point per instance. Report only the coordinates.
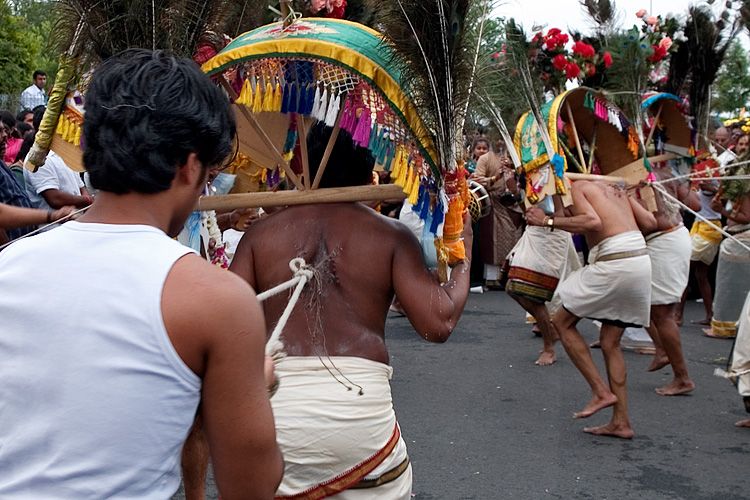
(203, 298)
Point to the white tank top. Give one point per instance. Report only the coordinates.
(94, 400)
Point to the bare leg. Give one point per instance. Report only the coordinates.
(619, 426)
(701, 276)
(743, 423)
(578, 351)
(549, 335)
(663, 317)
(660, 359)
(195, 462)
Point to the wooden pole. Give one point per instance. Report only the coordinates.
(302, 134)
(653, 127)
(593, 177)
(311, 196)
(329, 147)
(575, 133)
(264, 137)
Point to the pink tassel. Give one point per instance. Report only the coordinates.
(361, 135)
(651, 177)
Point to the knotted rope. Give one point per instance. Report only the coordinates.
(731, 375)
(302, 274)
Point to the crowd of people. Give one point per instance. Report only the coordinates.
(118, 386)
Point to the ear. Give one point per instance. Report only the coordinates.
(192, 172)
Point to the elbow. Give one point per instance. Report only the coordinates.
(593, 225)
(439, 333)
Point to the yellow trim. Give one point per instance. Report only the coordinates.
(346, 56)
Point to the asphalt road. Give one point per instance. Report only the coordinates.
(483, 422)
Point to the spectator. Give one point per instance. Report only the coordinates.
(105, 358)
(54, 185)
(11, 192)
(25, 116)
(13, 143)
(35, 95)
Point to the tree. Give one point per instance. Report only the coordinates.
(732, 87)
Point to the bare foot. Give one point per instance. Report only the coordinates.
(704, 322)
(545, 358)
(595, 405)
(659, 362)
(536, 331)
(615, 430)
(743, 423)
(708, 332)
(676, 387)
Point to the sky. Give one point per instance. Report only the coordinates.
(568, 14)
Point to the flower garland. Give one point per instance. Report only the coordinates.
(216, 249)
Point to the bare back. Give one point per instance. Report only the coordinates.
(352, 247)
(610, 203)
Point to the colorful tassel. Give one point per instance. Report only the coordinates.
(257, 99)
(361, 134)
(267, 98)
(322, 106)
(414, 194)
(312, 93)
(409, 182)
(315, 111)
(333, 110)
(245, 93)
(278, 98)
(77, 135)
(286, 98)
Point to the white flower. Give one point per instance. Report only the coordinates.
(679, 36)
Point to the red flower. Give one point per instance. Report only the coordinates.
(562, 38)
(496, 55)
(559, 62)
(659, 53)
(590, 69)
(572, 70)
(583, 49)
(607, 58)
(553, 32)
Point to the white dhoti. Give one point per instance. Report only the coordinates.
(705, 240)
(615, 287)
(670, 264)
(732, 282)
(339, 441)
(539, 261)
(741, 352)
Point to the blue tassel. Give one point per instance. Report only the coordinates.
(437, 217)
(294, 98)
(374, 137)
(285, 99)
(302, 100)
(291, 140)
(558, 163)
(390, 153)
(310, 99)
(424, 199)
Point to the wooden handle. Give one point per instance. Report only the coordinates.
(307, 197)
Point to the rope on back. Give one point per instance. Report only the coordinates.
(302, 273)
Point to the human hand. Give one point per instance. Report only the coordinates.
(272, 381)
(717, 204)
(88, 198)
(242, 218)
(61, 213)
(535, 216)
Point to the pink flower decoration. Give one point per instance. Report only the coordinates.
(665, 43)
(652, 21)
(641, 13)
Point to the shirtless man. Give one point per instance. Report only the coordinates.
(333, 409)
(669, 248)
(609, 289)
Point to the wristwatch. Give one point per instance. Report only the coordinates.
(550, 222)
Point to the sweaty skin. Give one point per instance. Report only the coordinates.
(361, 259)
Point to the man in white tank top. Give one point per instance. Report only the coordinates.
(113, 333)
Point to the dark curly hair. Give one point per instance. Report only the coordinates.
(348, 165)
(146, 111)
